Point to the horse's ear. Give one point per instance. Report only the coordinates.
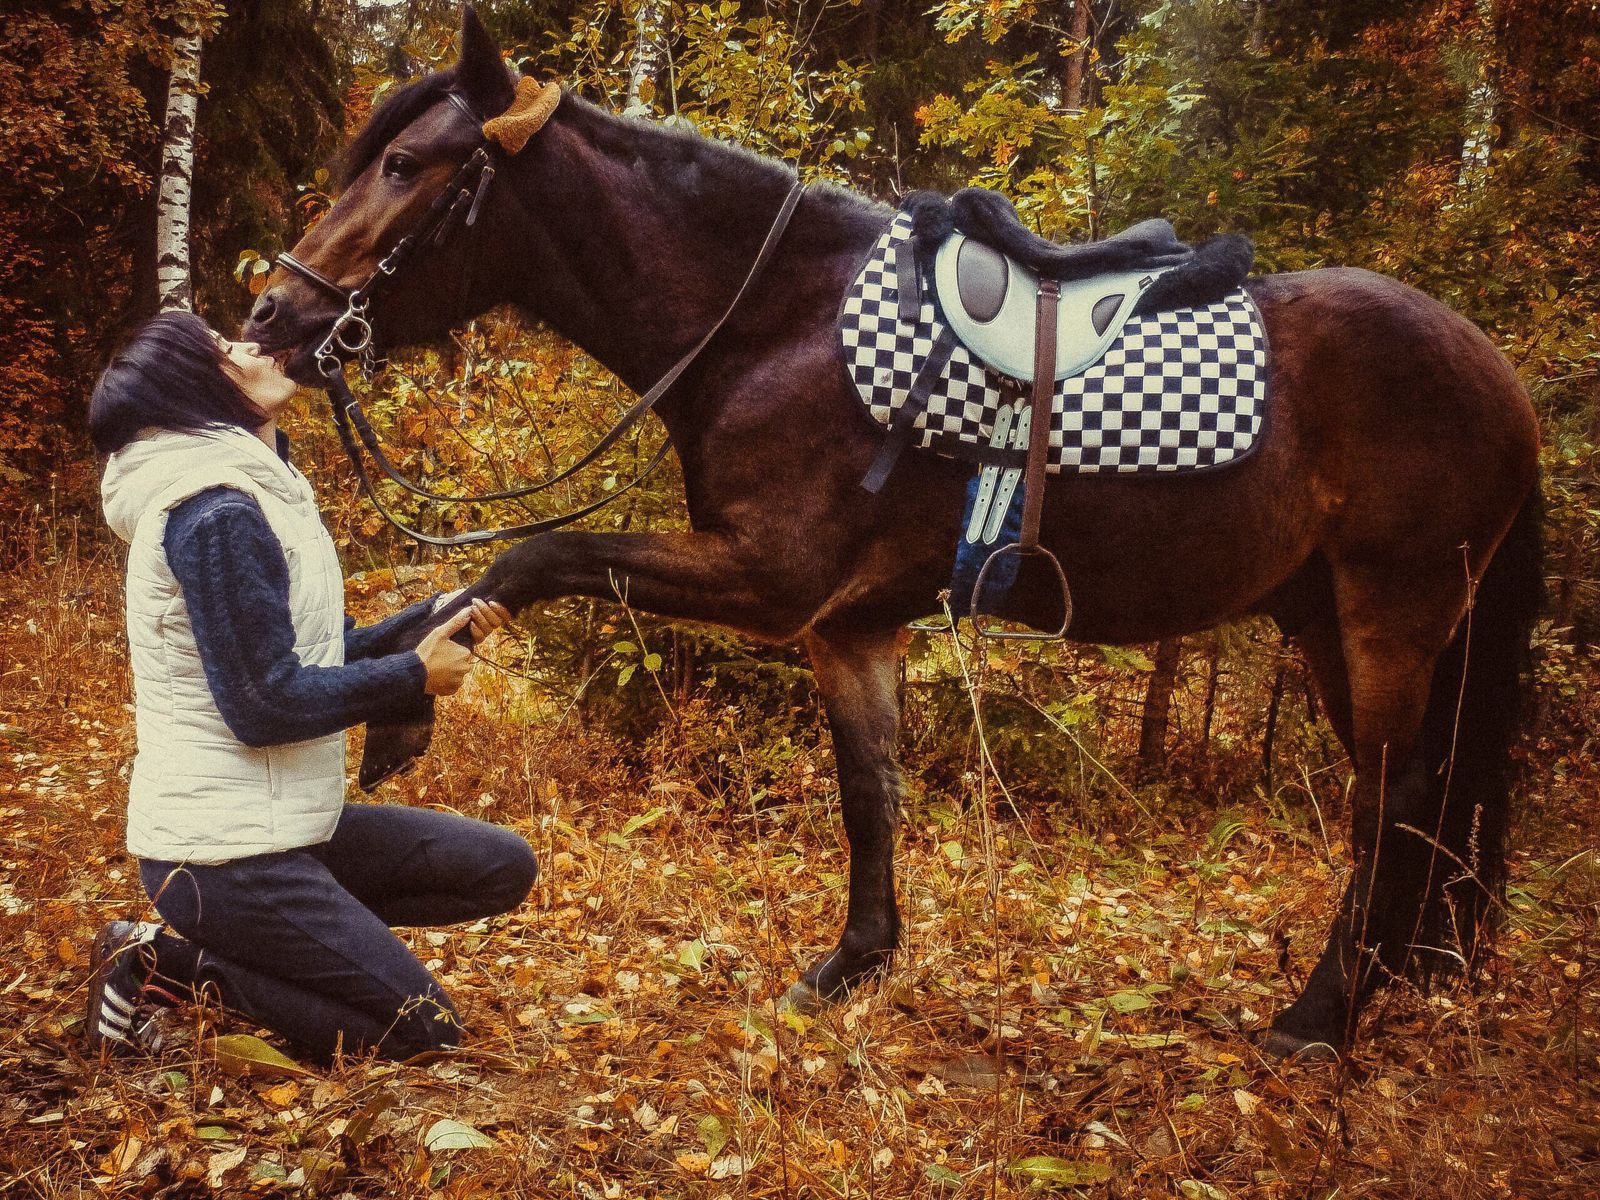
(481, 72)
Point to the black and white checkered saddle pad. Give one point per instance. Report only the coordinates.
(1177, 391)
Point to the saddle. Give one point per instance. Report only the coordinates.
(990, 302)
(1036, 313)
(985, 266)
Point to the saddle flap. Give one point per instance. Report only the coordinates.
(989, 302)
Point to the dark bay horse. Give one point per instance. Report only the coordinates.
(1389, 522)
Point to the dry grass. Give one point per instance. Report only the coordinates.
(1062, 1017)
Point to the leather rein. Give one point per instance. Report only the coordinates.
(351, 336)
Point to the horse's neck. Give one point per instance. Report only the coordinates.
(635, 240)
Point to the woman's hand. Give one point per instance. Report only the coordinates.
(487, 617)
(447, 661)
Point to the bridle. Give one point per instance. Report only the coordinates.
(351, 334)
(351, 337)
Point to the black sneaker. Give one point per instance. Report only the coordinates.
(122, 958)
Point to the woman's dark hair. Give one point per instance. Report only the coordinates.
(170, 374)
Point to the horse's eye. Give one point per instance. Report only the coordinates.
(399, 165)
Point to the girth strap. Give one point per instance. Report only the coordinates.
(905, 421)
(907, 284)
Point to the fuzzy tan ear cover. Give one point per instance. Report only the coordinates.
(532, 107)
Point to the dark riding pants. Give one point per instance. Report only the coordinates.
(300, 941)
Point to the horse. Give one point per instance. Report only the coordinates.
(1389, 520)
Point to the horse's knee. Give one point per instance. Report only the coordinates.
(513, 576)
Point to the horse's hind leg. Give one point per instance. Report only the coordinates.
(1306, 611)
(1391, 637)
(856, 674)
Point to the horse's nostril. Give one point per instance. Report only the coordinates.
(263, 312)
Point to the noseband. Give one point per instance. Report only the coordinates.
(351, 334)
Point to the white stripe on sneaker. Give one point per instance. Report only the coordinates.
(115, 1034)
(114, 1000)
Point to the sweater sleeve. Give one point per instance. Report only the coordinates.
(398, 631)
(235, 581)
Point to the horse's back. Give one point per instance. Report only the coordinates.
(1390, 331)
(1404, 409)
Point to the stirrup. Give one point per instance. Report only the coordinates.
(1006, 635)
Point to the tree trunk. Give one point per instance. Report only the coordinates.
(1274, 703)
(586, 661)
(1213, 673)
(1578, 552)
(1078, 60)
(174, 288)
(1094, 192)
(1481, 103)
(684, 661)
(1158, 704)
(870, 36)
(649, 55)
(1258, 28)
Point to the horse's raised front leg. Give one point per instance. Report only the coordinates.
(697, 576)
(710, 577)
(856, 674)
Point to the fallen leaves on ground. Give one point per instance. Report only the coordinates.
(1065, 1014)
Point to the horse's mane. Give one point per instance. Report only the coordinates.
(687, 161)
(679, 157)
(388, 119)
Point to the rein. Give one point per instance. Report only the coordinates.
(351, 336)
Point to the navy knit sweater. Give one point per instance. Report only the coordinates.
(235, 581)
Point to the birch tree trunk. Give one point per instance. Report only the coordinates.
(649, 55)
(173, 286)
(1481, 103)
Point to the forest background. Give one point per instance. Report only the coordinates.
(1450, 143)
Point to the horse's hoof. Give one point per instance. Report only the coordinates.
(802, 998)
(391, 750)
(1287, 1047)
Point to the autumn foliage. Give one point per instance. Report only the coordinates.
(1091, 921)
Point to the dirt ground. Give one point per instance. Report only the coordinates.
(1065, 1015)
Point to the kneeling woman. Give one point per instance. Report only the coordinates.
(277, 895)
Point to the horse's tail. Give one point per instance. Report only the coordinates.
(1475, 714)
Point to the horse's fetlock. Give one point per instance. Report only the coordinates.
(879, 940)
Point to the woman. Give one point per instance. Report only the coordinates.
(278, 897)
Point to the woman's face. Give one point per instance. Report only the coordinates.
(258, 376)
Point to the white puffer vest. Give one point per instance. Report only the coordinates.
(198, 794)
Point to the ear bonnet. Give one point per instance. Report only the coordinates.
(532, 107)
